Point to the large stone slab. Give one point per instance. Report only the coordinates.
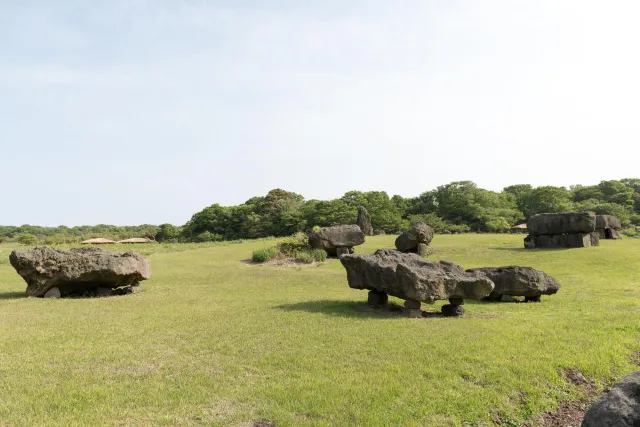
(618, 408)
(517, 281)
(418, 233)
(339, 236)
(79, 270)
(561, 223)
(409, 276)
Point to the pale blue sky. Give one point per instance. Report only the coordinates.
(134, 111)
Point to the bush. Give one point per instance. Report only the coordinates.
(319, 255)
(264, 255)
(630, 232)
(28, 239)
(305, 257)
(290, 246)
(208, 236)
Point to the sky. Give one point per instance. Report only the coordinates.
(146, 111)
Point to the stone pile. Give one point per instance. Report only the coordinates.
(416, 239)
(338, 240)
(414, 279)
(515, 281)
(364, 221)
(562, 230)
(607, 226)
(54, 273)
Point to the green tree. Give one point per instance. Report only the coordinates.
(27, 239)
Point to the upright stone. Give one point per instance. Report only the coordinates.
(364, 221)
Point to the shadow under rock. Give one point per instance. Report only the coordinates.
(11, 295)
(343, 308)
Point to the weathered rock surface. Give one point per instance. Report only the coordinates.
(561, 223)
(364, 221)
(418, 233)
(608, 221)
(618, 408)
(517, 281)
(79, 270)
(607, 227)
(339, 236)
(574, 240)
(408, 276)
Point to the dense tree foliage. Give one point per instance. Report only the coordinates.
(452, 208)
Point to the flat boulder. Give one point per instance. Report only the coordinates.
(620, 407)
(517, 281)
(418, 233)
(339, 236)
(411, 277)
(561, 223)
(78, 271)
(608, 221)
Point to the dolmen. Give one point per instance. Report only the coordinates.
(364, 221)
(562, 230)
(416, 239)
(338, 240)
(607, 226)
(414, 279)
(513, 281)
(53, 273)
(620, 407)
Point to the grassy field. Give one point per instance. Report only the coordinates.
(216, 341)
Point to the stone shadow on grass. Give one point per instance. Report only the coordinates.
(529, 250)
(11, 295)
(343, 308)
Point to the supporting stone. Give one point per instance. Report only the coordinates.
(376, 298)
(412, 304)
(413, 313)
(423, 250)
(532, 299)
(342, 251)
(456, 301)
(450, 310)
(104, 292)
(53, 293)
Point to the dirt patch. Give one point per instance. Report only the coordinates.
(570, 413)
(264, 423)
(283, 262)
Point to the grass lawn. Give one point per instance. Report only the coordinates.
(215, 341)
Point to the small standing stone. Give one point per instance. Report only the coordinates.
(413, 313)
(450, 310)
(364, 221)
(423, 250)
(104, 292)
(412, 304)
(53, 293)
(532, 299)
(377, 299)
(342, 251)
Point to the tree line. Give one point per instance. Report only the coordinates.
(457, 207)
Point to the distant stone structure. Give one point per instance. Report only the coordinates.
(607, 226)
(562, 230)
(513, 281)
(53, 273)
(416, 239)
(414, 279)
(364, 221)
(338, 240)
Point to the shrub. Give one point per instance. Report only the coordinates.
(263, 255)
(319, 255)
(28, 239)
(290, 246)
(630, 232)
(305, 257)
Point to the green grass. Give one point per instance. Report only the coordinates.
(215, 341)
